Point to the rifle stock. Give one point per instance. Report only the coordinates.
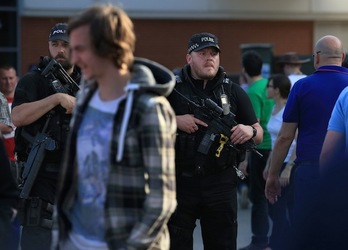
(42, 142)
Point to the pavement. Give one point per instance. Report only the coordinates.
(244, 230)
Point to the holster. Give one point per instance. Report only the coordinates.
(228, 156)
(33, 212)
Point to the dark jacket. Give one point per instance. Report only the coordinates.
(187, 157)
(32, 87)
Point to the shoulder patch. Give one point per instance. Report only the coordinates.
(178, 79)
(226, 80)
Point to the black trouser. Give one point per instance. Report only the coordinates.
(259, 210)
(36, 224)
(281, 214)
(213, 200)
(35, 238)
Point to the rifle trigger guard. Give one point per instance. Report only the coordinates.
(223, 140)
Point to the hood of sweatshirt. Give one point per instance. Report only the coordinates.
(148, 75)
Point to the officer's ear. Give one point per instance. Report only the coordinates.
(188, 58)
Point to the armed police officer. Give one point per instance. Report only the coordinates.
(205, 161)
(41, 111)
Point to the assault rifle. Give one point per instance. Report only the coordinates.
(210, 113)
(40, 143)
(58, 75)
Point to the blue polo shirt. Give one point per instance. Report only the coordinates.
(310, 104)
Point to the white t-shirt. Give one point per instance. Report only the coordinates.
(93, 150)
(273, 127)
(295, 78)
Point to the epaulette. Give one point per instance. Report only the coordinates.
(226, 80)
(178, 79)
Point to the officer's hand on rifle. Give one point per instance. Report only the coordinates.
(188, 123)
(67, 102)
(241, 133)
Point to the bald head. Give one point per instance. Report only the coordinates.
(328, 51)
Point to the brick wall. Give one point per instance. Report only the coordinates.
(165, 41)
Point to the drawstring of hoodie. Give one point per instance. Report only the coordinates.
(129, 89)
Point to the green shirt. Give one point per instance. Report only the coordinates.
(263, 106)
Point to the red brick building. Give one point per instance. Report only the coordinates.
(164, 27)
(165, 41)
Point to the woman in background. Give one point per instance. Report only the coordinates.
(278, 88)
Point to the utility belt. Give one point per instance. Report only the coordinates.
(34, 212)
(190, 162)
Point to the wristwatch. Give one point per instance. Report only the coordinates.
(254, 131)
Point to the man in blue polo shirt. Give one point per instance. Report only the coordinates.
(308, 110)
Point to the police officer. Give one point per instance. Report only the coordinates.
(37, 101)
(206, 183)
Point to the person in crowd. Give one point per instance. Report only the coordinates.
(291, 65)
(308, 110)
(8, 83)
(278, 88)
(207, 158)
(254, 165)
(325, 228)
(9, 237)
(41, 111)
(335, 145)
(117, 185)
